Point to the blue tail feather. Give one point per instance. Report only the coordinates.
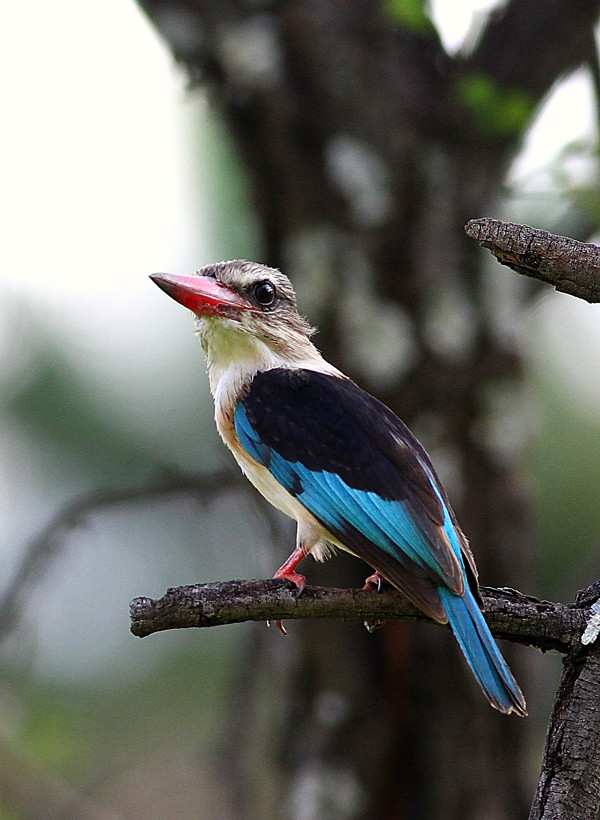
(480, 650)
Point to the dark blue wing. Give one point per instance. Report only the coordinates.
(357, 468)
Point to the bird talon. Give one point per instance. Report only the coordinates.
(279, 625)
(286, 572)
(371, 626)
(373, 582)
(295, 578)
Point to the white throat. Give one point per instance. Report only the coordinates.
(234, 356)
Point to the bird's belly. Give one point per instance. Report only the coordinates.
(311, 533)
(268, 486)
(318, 541)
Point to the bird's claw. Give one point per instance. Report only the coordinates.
(373, 584)
(279, 624)
(295, 578)
(299, 582)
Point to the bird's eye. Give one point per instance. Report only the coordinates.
(264, 293)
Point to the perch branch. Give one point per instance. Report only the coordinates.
(572, 267)
(510, 614)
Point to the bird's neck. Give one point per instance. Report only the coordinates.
(234, 357)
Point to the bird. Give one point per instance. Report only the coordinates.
(333, 457)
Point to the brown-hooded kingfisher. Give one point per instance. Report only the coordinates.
(334, 458)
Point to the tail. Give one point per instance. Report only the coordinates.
(481, 652)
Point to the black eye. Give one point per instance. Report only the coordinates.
(264, 293)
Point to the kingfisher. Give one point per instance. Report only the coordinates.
(334, 458)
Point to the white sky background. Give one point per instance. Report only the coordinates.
(96, 192)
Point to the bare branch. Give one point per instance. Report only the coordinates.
(44, 547)
(572, 267)
(510, 614)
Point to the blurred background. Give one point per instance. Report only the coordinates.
(112, 167)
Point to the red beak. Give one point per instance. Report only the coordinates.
(202, 294)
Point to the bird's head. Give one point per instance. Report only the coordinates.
(242, 308)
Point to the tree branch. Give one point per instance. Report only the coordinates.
(510, 614)
(45, 546)
(572, 267)
(570, 777)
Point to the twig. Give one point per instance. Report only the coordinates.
(572, 267)
(44, 547)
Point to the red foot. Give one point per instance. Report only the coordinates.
(288, 571)
(374, 582)
(295, 578)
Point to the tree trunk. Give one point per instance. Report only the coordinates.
(368, 149)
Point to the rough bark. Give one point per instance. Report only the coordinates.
(368, 148)
(510, 614)
(569, 783)
(572, 267)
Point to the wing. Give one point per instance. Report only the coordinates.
(357, 468)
